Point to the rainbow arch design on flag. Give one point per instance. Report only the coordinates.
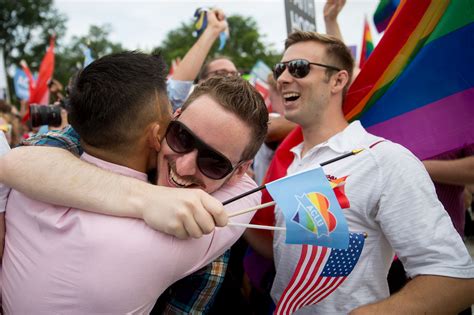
(314, 215)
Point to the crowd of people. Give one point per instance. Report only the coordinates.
(121, 211)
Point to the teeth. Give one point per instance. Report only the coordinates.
(291, 94)
(178, 181)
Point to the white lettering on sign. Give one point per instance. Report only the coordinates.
(298, 22)
(305, 5)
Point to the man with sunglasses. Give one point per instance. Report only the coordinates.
(388, 195)
(205, 152)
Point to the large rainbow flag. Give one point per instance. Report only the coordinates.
(416, 89)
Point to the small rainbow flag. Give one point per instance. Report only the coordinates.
(312, 212)
(367, 44)
(418, 86)
(384, 12)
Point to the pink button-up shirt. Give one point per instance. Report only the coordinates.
(61, 260)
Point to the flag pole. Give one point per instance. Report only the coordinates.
(264, 205)
(257, 226)
(340, 157)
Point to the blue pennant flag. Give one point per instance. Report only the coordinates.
(311, 209)
(88, 59)
(21, 84)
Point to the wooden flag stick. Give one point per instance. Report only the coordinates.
(263, 205)
(258, 227)
(340, 157)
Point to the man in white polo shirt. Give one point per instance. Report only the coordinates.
(390, 200)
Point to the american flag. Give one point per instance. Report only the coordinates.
(320, 270)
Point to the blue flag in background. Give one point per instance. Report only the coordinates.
(312, 213)
(87, 56)
(21, 84)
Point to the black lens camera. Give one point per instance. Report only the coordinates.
(46, 114)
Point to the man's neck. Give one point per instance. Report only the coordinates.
(323, 128)
(136, 161)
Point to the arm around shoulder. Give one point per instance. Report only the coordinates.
(56, 176)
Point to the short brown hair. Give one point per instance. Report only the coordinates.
(241, 98)
(337, 53)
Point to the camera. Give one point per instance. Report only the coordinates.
(47, 114)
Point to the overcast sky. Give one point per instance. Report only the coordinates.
(144, 24)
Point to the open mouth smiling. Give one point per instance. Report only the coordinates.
(291, 96)
(177, 180)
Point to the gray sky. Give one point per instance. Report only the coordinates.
(144, 24)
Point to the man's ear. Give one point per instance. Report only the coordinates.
(340, 80)
(177, 112)
(239, 172)
(154, 138)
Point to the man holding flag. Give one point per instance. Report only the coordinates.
(209, 161)
(390, 197)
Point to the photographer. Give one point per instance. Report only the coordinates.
(55, 115)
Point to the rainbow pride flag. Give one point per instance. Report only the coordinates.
(384, 12)
(367, 44)
(417, 89)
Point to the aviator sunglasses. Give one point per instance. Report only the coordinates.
(209, 161)
(298, 68)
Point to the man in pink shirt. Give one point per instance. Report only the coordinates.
(61, 259)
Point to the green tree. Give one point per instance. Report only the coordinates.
(70, 58)
(244, 45)
(25, 29)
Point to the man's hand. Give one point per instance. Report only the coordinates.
(216, 22)
(192, 62)
(182, 213)
(332, 8)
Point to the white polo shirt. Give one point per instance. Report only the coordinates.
(393, 200)
(4, 191)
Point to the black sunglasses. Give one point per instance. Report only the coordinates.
(298, 68)
(210, 162)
